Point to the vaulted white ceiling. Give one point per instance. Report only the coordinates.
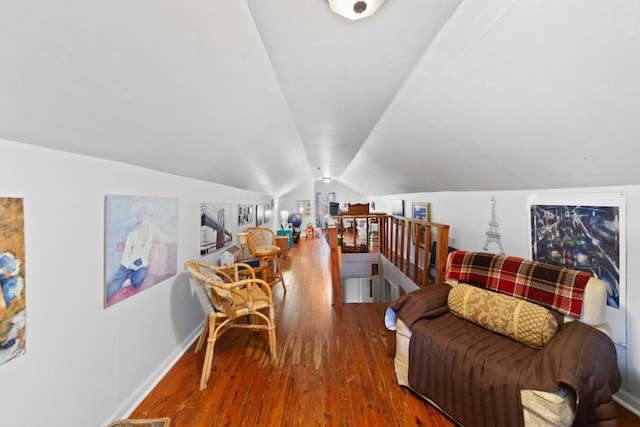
(266, 94)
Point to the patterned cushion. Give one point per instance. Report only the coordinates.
(512, 317)
(553, 286)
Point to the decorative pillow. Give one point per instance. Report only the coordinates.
(512, 317)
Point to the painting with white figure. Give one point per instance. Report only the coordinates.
(141, 244)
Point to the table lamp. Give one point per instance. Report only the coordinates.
(242, 241)
(284, 214)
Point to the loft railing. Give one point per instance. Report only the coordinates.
(405, 242)
(334, 253)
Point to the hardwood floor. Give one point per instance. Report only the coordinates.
(334, 366)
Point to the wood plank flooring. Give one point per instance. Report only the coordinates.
(334, 366)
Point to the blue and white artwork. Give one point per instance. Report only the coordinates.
(13, 317)
(141, 244)
(397, 207)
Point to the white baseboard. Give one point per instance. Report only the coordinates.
(628, 400)
(138, 395)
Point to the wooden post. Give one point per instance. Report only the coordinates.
(442, 252)
(336, 285)
(427, 255)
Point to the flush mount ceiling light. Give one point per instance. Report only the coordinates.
(355, 9)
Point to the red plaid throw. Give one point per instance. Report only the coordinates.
(555, 287)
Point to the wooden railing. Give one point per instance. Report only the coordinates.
(355, 243)
(334, 253)
(398, 244)
(398, 236)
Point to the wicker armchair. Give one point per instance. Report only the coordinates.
(262, 245)
(226, 296)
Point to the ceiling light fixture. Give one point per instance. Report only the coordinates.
(326, 179)
(355, 9)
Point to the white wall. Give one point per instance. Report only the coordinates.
(469, 213)
(344, 195)
(305, 191)
(308, 190)
(86, 365)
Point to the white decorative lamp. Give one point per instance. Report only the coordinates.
(284, 216)
(242, 241)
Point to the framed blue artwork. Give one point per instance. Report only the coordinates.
(585, 232)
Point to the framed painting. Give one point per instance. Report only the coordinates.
(259, 215)
(245, 215)
(215, 230)
(420, 210)
(397, 207)
(140, 245)
(13, 317)
(587, 233)
(303, 207)
(267, 213)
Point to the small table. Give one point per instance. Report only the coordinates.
(287, 232)
(284, 243)
(261, 270)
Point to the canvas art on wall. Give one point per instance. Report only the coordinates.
(397, 207)
(259, 215)
(13, 317)
(267, 212)
(141, 244)
(421, 210)
(215, 230)
(245, 215)
(586, 233)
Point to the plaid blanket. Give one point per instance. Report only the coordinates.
(558, 288)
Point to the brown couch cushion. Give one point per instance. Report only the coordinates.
(515, 318)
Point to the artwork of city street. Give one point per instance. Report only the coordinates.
(585, 238)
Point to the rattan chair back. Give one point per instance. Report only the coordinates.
(226, 297)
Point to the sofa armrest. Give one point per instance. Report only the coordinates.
(594, 303)
(425, 303)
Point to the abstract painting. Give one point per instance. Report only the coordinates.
(215, 230)
(140, 245)
(586, 233)
(13, 317)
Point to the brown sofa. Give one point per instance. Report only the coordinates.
(508, 342)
